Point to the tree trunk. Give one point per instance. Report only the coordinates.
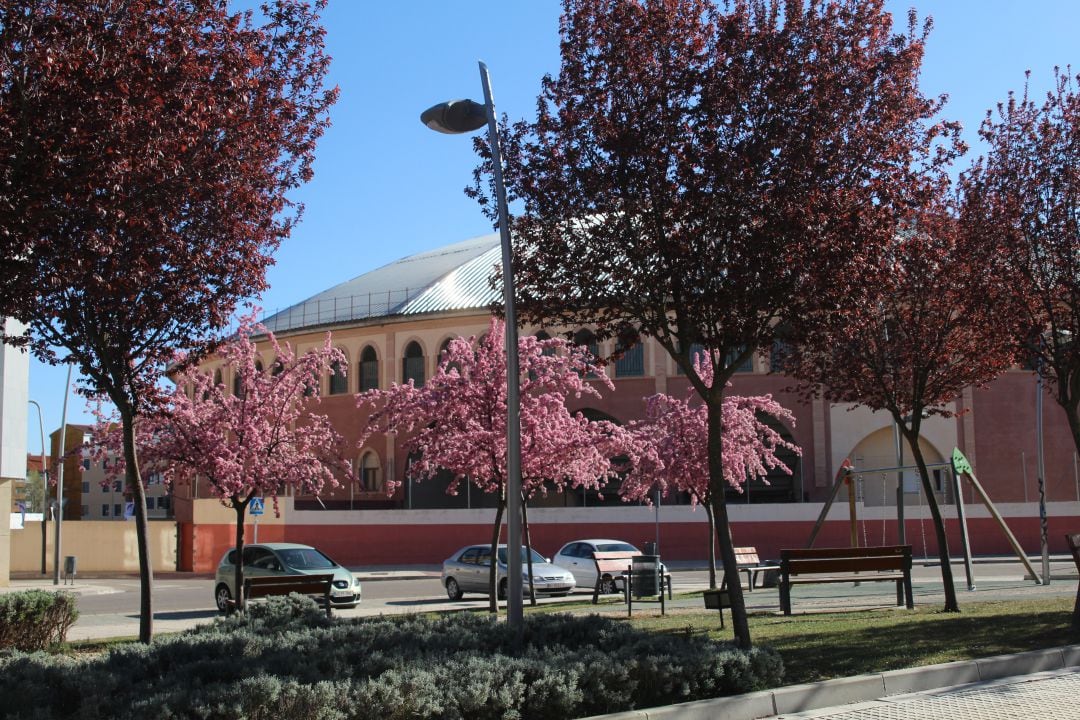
(712, 544)
(739, 624)
(493, 574)
(528, 549)
(1070, 403)
(238, 572)
(138, 493)
(951, 603)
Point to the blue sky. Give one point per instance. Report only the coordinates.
(386, 187)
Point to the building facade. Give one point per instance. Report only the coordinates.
(392, 323)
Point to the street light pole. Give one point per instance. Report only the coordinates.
(44, 484)
(60, 483)
(461, 116)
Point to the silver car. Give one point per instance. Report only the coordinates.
(268, 559)
(468, 570)
(577, 557)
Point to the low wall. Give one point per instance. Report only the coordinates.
(408, 537)
(99, 546)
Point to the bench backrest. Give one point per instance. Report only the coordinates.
(835, 560)
(265, 586)
(613, 561)
(747, 556)
(1074, 544)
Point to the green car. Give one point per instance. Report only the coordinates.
(269, 559)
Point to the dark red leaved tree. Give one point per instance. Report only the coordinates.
(697, 175)
(912, 331)
(149, 146)
(1024, 199)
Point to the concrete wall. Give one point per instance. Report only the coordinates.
(99, 546)
(407, 537)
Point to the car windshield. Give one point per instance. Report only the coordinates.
(536, 557)
(306, 559)
(616, 547)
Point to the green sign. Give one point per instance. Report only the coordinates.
(960, 463)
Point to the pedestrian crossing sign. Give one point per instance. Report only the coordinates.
(256, 506)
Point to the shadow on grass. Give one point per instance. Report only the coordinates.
(824, 647)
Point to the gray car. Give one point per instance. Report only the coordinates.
(268, 559)
(468, 570)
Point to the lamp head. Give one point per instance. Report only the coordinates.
(455, 117)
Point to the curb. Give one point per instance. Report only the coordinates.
(859, 688)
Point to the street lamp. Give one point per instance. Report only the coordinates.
(60, 482)
(464, 116)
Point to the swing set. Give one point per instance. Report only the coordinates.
(959, 467)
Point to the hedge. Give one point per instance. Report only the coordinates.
(35, 620)
(284, 658)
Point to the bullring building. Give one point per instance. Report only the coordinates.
(391, 325)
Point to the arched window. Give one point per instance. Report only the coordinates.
(339, 383)
(258, 366)
(218, 379)
(587, 339)
(369, 369)
(631, 362)
(442, 356)
(277, 368)
(745, 366)
(237, 383)
(696, 350)
(369, 473)
(412, 365)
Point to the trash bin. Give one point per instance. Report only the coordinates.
(69, 567)
(645, 575)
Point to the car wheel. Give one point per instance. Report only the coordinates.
(608, 586)
(453, 590)
(222, 597)
(502, 589)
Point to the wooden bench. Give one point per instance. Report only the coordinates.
(260, 587)
(825, 565)
(615, 566)
(747, 560)
(1074, 545)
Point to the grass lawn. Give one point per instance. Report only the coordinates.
(828, 645)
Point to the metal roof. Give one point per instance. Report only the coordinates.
(454, 277)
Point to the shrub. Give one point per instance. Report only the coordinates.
(35, 619)
(285, 659)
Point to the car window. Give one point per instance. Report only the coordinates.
(267, 562)
(570, 550)
(306, 559)
(536, 557)
(617, 547)
(257, 557)
(230, 559)
(469, 556)
(483, 556)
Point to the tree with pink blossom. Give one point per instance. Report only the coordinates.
(457, 421)
(670, 448)
(249, 443)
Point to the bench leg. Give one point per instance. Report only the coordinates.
(785, 594)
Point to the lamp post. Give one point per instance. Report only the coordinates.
(44, 484)
(464, 116)
(60, 483)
